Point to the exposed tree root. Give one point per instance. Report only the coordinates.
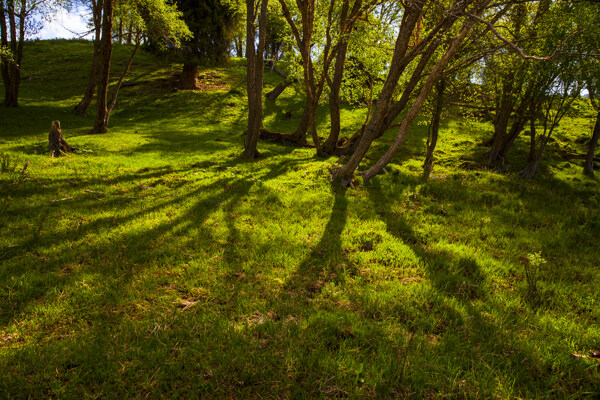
(285, 138)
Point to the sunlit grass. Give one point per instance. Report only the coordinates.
(157, 262)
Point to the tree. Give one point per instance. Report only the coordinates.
(404, 53)
(96, 8)
(15, 22)
(554, 100)
(156, 19)
(255, 69)
(105, 56)
(212, 25)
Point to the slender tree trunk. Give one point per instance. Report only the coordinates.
(239, 47)
(299, 134)
(501, 123)
(11, 72)
(4, 70)
(532, 133)
(83, 105)
(435, 74)
(120, 34)
(255, 72)
(113, 100)
(334, 99)
(529, 171)
(589, 162)
(189, 76)
(435, 127)
(81, 108)
(400, 105)
(412, 14)
(277, 90)
(105, 58)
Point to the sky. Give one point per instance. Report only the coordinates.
(64, 25)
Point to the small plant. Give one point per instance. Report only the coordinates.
(534, 261)
(6, 164)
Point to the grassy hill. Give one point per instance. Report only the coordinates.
(157, 263)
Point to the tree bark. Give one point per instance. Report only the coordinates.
(113, 100)
(255, 72)
(435, 127)
(83, 105)
(589, 162)
(435, 74)
(411, 16)
(532, 133)
(12, 72)
(277, 90)
(334, 99)
(189, 76)
(105, 58)
(4, 70)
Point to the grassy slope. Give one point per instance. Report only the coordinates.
(199, 274)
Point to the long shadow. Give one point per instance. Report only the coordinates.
(140, 245)
(326, 261)
(462, 300)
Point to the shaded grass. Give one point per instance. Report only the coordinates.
(158, 263)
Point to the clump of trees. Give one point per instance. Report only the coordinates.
(156, 19)
(15, 23)
(522, 62)
(528, 57)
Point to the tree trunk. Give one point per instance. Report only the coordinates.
(532, 132)
(435, 74)
(400, 105)
(113, 100)
(56, 142)
(4, 43)
(412, 14)
(435, 128)
(589, 162)
(277, 90)
(334, 99)
(255, 72)
(105, 58)
(529, 171)
(11, 73)
(189, 76)
(83, 105)
(239, 48)
(501, 122)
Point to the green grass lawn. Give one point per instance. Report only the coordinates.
(158, 263)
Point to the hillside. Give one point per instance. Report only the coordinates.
(158, 263)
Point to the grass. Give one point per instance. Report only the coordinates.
(157, 263)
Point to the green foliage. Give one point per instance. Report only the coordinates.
(163, 263)
(212, 24)
(5, 55)
(159, 19)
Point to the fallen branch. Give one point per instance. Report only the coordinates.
(63, 199)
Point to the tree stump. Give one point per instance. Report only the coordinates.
(57, 144)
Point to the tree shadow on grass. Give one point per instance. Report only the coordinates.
(61, 254)
(326, 261)
(472, 326)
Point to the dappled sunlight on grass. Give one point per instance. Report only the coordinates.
(157, 260)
